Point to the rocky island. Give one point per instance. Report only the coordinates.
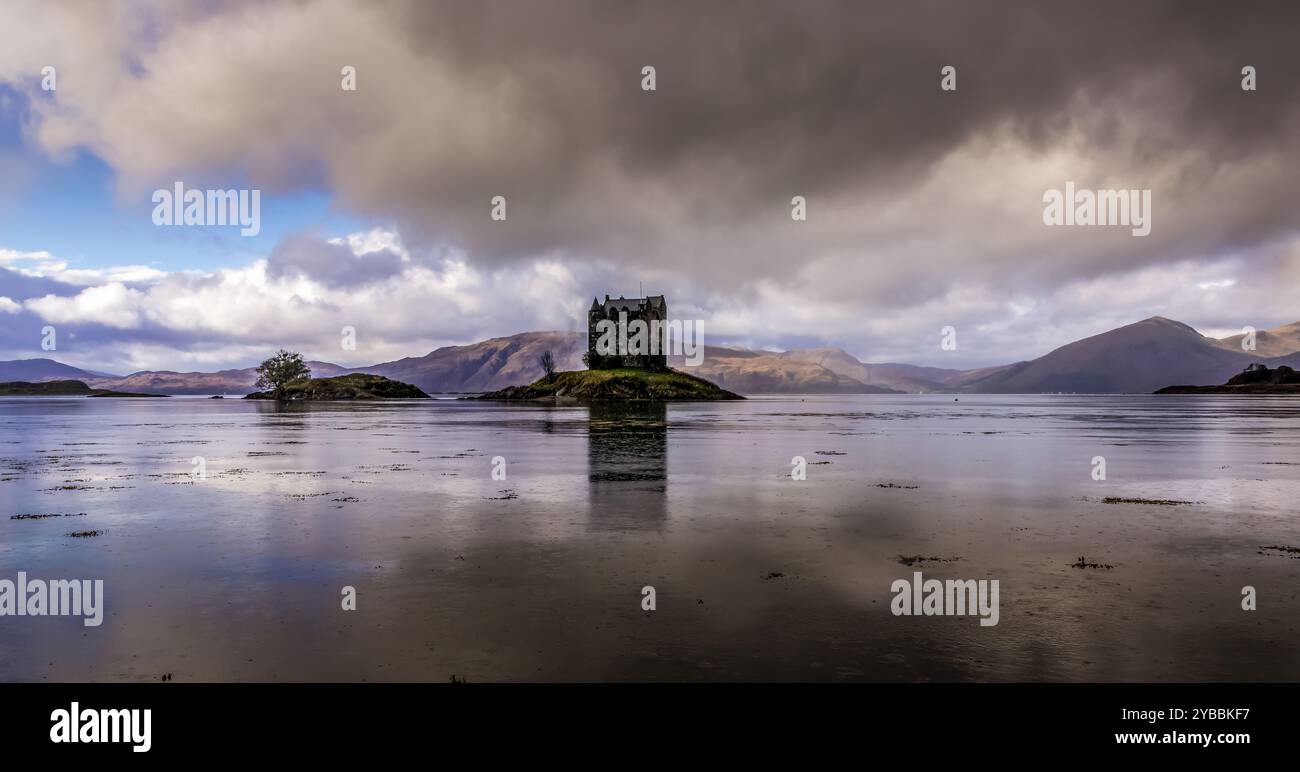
(343, 387)
(627, 361)
(1255, 379)
(616, 385)
(65, 388)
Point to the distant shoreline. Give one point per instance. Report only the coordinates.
(1248, 390)
(64, 389)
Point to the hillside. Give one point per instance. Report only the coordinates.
(487, 365)
(970, 380)
(764, 372)
(1136, 358)
(621, 385)
(889, 376)
(37, 370)
(1277, 342)
(240, 381)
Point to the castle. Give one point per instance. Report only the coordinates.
(653, 311)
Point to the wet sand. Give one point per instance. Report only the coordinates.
(237, 577)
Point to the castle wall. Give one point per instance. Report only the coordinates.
(636, 308)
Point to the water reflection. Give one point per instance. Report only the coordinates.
(627, 465)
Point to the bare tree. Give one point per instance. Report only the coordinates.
(547, 361)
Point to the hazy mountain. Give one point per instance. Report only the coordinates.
(764, 372)
(487, 365)
(1290, 360)
(969, 379)
(1276, 342)
(898, 377)
(232, 382)
(37, 370)
(1137, 358)
(512, 361)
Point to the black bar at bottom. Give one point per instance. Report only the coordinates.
(1014, 721)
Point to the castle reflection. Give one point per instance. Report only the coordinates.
(627, 462)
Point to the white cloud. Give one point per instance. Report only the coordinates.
(45, 265)
(374, 240)
(113, 305)
(228, 317)
(12, 258)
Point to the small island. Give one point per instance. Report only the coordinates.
(343, 387)
(616, 385)
(1255, 379)
(627, 361)
(285, 377)
(61, 389)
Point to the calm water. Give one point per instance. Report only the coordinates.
(758, 576)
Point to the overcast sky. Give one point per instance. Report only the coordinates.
(924, 206)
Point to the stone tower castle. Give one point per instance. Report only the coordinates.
(624, 311)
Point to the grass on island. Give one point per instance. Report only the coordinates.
(619, 384)
(343, 387)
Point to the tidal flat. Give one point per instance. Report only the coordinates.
(226, 530)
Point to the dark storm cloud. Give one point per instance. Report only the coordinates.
(925, 206)
(757, 100)
(334, 265)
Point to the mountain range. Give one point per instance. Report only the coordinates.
(1136, 358)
